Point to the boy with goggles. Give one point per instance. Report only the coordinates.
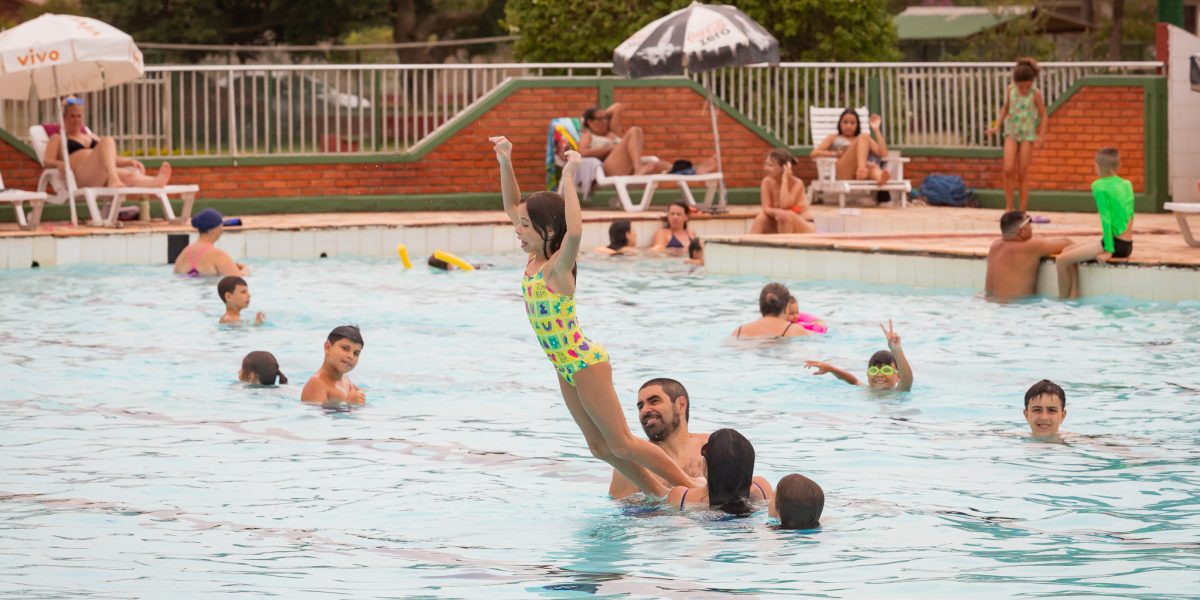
(886, 370)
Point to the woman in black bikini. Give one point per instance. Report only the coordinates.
(675, 237)
(94, 161)
(772, 303)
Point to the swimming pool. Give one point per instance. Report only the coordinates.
(133, 464)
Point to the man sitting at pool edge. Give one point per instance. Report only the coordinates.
(660, 404)
(1013, 260)
(1045, 409)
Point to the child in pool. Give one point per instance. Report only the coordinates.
(342, 350)
(804, 320)
(1024, 118)
(550, 227)
(622, 239)
(886, 370)
(236, 295)
(695, 252)
(798, 503)
(261, 368)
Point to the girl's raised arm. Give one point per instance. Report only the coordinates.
(508, 177)
(568, 252)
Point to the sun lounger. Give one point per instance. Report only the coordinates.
(17, 198)
(52, 179)
(564, 135)
(1182, 210)
(824, 122)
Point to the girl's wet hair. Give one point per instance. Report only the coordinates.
(1026, 69)
(695, 247)
(264, 367)
(618, 234)
(781, 156)
(773, 299)
(548, 217)
(857, 121)
(730, 460)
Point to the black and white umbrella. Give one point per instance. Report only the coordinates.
(701, 37)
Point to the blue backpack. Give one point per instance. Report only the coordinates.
(946, 190)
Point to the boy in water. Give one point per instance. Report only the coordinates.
(261, 368)
(342, 349)
(236, 296)
(798, 503)
(886, 370)
(1045, 409)
(1114, 202)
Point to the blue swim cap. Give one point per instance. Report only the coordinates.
(208, 219)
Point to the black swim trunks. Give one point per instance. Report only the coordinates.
(1122, 248)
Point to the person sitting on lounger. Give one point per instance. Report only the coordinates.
(859, 156)
(620, 148)
(94, 160)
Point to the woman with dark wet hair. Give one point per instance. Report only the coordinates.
(772, 303)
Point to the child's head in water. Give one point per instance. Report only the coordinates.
(1024, 73)
(882, 371)
(696, 252)
(261, 368)
(621, 235)
(234, 292)
(799, 502)
(342, 349)
(729, 458)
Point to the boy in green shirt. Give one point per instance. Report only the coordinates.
(1114, 202)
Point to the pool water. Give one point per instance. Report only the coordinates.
(133, 464)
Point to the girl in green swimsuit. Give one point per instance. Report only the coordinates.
(1024, 118)
(550, 227)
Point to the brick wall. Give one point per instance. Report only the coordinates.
(1093, 118)
(676, 126)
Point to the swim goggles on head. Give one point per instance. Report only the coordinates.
(73, 102)
(883, 370)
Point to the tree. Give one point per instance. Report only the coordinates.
(235, 21)
(1018, 36)
(824, 30)
(423, 20)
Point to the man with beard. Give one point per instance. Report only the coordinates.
(663, 409)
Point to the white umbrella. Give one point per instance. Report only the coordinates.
(54, 55)
(701, 37)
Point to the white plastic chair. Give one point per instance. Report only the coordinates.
(17, 198)
(823, 122)
(52, 179)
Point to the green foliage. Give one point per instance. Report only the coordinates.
(589, 30)
(1015, 38)
(234, 21)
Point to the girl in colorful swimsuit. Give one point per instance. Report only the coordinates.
(550, 227)
(1024, 118)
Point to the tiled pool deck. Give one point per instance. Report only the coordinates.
(919, 246)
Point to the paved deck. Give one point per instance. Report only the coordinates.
(928, 230)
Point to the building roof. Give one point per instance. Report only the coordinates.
(956, 22)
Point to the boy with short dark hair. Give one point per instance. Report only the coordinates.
(886, 369)
(798, 503)
(342, 349)
(234, 292)
(1045, 408)
(1114, 202)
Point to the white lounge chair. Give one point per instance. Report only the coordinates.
(1182, 210)
(824, 122)
(52, 179)
(17, 198)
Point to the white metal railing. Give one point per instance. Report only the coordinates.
(296, 110)
(947, 105)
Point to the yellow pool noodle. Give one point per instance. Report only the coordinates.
(402, 250)
(454, 260)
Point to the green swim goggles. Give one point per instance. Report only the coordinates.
(881, 370)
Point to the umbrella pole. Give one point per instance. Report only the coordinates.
(66, 158)
(712, 110)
